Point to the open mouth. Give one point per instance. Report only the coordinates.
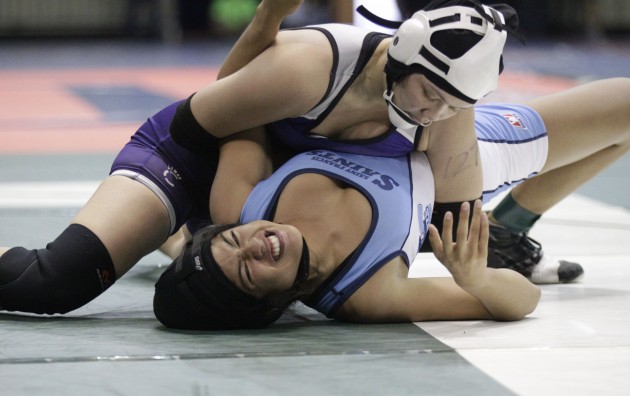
(274, 243)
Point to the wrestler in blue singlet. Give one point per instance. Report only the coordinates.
(400, 192)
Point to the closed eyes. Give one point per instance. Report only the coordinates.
(235, 238)
(242, 270)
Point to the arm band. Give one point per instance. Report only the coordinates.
(186, 131)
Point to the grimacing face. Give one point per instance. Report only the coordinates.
(423, 101)
(260, 257)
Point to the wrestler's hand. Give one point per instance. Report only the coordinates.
(467, 258)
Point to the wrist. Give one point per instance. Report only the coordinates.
(476, 285)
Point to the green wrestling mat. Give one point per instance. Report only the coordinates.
(106, 346)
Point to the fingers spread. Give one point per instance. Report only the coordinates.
(436, 242)
(447, 229)
(462, 226)
(475, 224)
(484, 235)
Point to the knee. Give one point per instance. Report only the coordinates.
(68, 273)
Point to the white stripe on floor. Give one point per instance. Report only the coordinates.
(28, 195)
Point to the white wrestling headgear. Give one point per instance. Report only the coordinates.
(456, 44)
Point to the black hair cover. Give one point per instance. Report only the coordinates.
(193, 293)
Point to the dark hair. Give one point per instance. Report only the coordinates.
(193, 293)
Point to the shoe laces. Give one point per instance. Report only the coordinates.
(529, 247)
(528, 251)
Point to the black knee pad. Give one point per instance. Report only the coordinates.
(437, 219)
(72, 270)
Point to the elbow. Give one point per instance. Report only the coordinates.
(526, 305)
(531, 302)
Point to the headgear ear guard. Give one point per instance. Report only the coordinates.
(193, 293)
(456, 44)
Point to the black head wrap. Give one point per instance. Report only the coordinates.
(193, 293)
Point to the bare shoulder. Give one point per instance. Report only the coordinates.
(307, 49)
(300, 59)
(286, 80)
(302, 36)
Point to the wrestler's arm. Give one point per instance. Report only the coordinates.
(244, 158)
(451, 147)
(474, 291)
(259, 34)
(244, 161)
(286, 80)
